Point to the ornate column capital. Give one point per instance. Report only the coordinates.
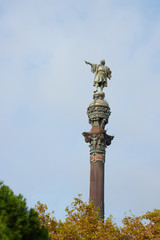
(98, 114)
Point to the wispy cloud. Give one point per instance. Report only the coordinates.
(46, 88)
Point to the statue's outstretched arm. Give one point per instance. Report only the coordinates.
(88, 63)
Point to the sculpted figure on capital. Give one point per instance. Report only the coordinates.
(102, 72)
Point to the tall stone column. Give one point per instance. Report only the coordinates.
(98, 114)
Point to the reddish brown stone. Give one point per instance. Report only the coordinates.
(97, 185)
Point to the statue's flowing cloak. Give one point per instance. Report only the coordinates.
(101, 74)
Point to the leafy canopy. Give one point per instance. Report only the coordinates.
(16, 221)
(82, 223)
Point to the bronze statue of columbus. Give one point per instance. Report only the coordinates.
(102, 72)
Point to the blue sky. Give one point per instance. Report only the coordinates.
(46, 89)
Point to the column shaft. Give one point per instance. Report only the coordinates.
(97, 185)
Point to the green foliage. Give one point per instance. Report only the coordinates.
(16, 221)
(82, 222)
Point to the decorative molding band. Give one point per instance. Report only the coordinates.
(97, 157)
